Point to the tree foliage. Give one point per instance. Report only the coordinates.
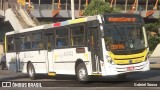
(152, 27)
(98, 7)
(153, 40)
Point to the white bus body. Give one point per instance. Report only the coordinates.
(53, 60)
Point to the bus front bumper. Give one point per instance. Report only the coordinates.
(120, 69)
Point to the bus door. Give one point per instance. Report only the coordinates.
(49, 47)
(17, 49)
(94, 45)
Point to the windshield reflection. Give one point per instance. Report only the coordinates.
(124, 37)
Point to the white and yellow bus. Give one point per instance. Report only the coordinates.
(103, 45)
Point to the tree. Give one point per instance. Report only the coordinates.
(98, 7)
(152, 27)
(153, 40)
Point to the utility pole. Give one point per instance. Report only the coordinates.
(137, 5)
(126, 2)
(72, 9)
(1, 5)
(146, 5)
(52, 4)
(39, 4)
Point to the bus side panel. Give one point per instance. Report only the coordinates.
(65, 60)
(37, 58)
(11, 61)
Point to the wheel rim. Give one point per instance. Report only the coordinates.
(31, 72)
(82, 74)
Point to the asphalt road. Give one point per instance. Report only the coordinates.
(62, 82)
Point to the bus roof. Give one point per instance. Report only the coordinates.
(53, 25)
(68, 22)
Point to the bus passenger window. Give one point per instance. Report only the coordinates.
(37, 42)
(62, 42)
(10, 44)
(59, 43)
(62, 39)
(25, 42)
(49, 45)
(77, 36)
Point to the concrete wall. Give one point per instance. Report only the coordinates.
(156, 52)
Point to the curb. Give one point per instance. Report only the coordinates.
(157, 66)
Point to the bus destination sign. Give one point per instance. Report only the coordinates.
(121, 19)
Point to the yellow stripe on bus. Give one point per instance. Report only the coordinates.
(124, 59)
(5, 44)
(77, 21)
(55, 56)
(86, 56)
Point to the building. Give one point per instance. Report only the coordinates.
(62, 8)
(45, 8)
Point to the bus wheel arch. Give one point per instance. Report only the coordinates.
(78, 61)
(81, 71)
(31, 70)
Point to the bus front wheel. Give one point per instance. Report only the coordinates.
(31, 71)
(81, 72)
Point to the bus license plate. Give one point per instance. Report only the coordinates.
(130, 68)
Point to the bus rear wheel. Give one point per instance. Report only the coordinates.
(81, 72)
(31, 71)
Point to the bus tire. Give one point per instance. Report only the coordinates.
(31, 71)
(81, 73)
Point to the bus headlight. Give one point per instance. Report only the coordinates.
(109, 59)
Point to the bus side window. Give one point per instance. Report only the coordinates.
(49, 45)
(25, 42)
(37, 41)
(77, 36)
(59, 43)
(91, 39)
(10, 42)
(62, 39)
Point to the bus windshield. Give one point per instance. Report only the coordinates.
(124, 37)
